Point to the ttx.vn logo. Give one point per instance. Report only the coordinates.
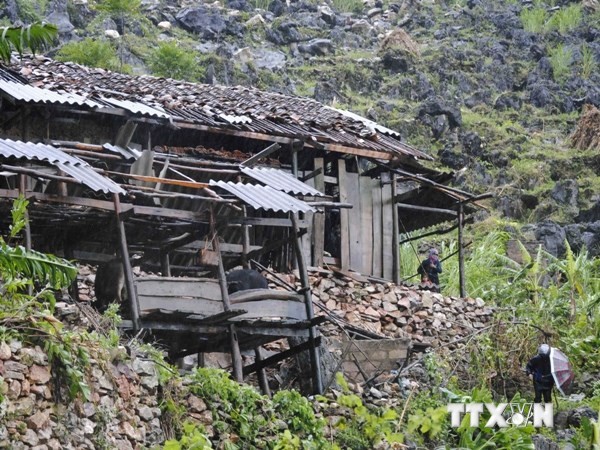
(504, 414)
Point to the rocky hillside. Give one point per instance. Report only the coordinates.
(496, 88)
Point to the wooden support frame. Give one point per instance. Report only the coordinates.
(131, 293)
(461, 256)
(236, 356)
(314, 353)
(279, 357)
(260, 155)
(395, 234)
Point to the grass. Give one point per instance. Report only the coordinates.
(348, 6)
(561, 58)
(534, 19)
(588, 62)
(566, 19)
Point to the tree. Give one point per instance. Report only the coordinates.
(36, 36)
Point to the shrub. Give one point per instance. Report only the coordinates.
(560, 60)
(171, 61)
(91, 53)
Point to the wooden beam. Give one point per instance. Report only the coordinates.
(318, 230)
(426, 209)
(312, 174)
(236, 355)
(279, 357)
(134, 306)
(109, 206)
(265, 222)
(288, 140)
(260, 155)
(395, 234)
(314, 353)
(183, 183)
(39, 174)
(461, 255)
(344, 216)
(353, 151)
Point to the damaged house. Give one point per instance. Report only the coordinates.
(197, 179)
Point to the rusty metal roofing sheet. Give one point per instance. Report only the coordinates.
(31, 94)
(77, 168)
(264, 197)
(280, 180)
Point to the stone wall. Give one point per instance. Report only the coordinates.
(122, 412)
(364, 359)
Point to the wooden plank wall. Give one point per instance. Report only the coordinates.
(344, 216)
(318, 231)
(354, 222)
(366, 229)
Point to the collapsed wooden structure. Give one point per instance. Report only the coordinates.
(172, 171)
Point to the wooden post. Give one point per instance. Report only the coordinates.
(236, 355)
(461, 256)
(395, 231)
(245, 240)
(314, 353)
(23, 192)
(165, 264)
(131, 294)
(262, 376)
(318, 231)
(344, 216)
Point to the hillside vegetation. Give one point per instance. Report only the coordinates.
(505, 90)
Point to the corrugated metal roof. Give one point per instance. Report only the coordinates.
(77, 168)
(137, 108)
(263, 197)
(31, 94)
(280, 180)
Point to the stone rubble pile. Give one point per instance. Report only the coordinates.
(395, 311)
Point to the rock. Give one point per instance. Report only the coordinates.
(5, 352)
(164, 25)
(38, 420)
(575, 416)
(207, 22)
(112, 34)
(39, 374)
(317, 47)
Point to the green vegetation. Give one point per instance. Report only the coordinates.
(35, 37)
(91, 53)
(170, 60)
(534, 19)
(566, 19)
(27, 304)
(348, 6)
(588, 62)
(32, 10)
(560, 59)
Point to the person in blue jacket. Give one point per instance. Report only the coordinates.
(538, 369)
(430, 269)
